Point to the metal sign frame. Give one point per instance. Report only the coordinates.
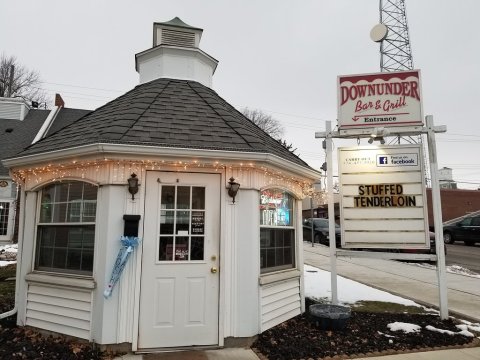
(430, 131)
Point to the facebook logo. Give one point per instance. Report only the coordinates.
(382, 160)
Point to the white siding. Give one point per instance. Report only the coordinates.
(61, 310)
(280, 301)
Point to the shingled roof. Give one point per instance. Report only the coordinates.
(16, 135)
(167, 113)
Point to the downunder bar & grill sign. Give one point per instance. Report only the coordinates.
(379, 100)
(383, 201)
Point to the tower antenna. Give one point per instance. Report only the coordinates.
(395, 49)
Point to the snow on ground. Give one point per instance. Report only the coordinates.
(463, 331)
(467, 325)
(10, 248)
(317, 286)
(5, 263)
(453, 269)
(405, 327)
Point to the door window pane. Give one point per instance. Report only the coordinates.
(181, 248)
(183, 197)
(165, 252)
(183, 222)
(198, 222)
(167, 219)
(168, 197)
(197, 248)
(185, 226)
(198, 198)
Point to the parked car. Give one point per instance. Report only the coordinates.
(466, 230)
(320, 231)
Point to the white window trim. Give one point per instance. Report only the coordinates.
(50, 274)
(279, 273)
(60, 279)
(10, 221)
(273, 277)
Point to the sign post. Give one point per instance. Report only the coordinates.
(331, 214)
(437, 220)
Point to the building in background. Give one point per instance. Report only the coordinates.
(20, 125)
(445, 178)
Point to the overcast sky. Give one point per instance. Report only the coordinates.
(279, 56)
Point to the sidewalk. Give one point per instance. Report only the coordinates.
(247, 354)
(220, 354)
(403, 279)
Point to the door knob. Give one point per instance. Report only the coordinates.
(213, 270)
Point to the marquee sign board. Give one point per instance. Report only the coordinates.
(383, 197)
(389, 99)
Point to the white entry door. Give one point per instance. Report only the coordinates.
(180, 281)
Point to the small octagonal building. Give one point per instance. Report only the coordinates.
(212, 265)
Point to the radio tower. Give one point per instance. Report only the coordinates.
(395, 50)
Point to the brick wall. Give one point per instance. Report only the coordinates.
(455, 203)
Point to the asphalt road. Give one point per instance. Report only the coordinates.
(465, 256)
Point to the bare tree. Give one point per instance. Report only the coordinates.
(18, 81)
(265, 122)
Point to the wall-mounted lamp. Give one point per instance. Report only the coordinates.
(233, 189)
(133, 185)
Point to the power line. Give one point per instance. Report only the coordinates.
(82, 87)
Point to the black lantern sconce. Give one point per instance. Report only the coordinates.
(233, 189)
(133, 185)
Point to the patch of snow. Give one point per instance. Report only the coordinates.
(464, 332)
(470, 326)
(317, 286)
(405, 327)
(386, 335)
(452, 269)
(10, 248)
(5, 263)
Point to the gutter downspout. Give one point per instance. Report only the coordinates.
(46, 125)
(19, 262)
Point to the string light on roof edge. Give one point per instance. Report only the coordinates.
(73, 168)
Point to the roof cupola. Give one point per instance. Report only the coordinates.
(175, 54)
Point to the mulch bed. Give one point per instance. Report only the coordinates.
(24, 343)
(366, 334)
